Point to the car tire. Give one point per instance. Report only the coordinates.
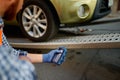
(37, 21)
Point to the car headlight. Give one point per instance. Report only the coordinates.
(83, 11)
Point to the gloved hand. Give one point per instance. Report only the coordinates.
(56, 56)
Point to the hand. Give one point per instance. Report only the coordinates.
(55, 56)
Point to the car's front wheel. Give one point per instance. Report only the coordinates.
(36, 21)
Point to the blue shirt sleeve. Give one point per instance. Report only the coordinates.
(13, 52)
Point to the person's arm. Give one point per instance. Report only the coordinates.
(34, 58)
(50, 57)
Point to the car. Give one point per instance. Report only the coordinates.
(40, 20)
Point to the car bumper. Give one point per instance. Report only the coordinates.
(102, 9)
(78, 11)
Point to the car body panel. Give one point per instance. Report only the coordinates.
(14, 21)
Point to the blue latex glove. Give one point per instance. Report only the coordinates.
(51, 56)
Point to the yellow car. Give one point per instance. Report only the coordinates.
(40, 19)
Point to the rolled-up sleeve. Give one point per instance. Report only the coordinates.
(13, 52)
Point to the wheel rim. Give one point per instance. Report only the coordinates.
(34, 21)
